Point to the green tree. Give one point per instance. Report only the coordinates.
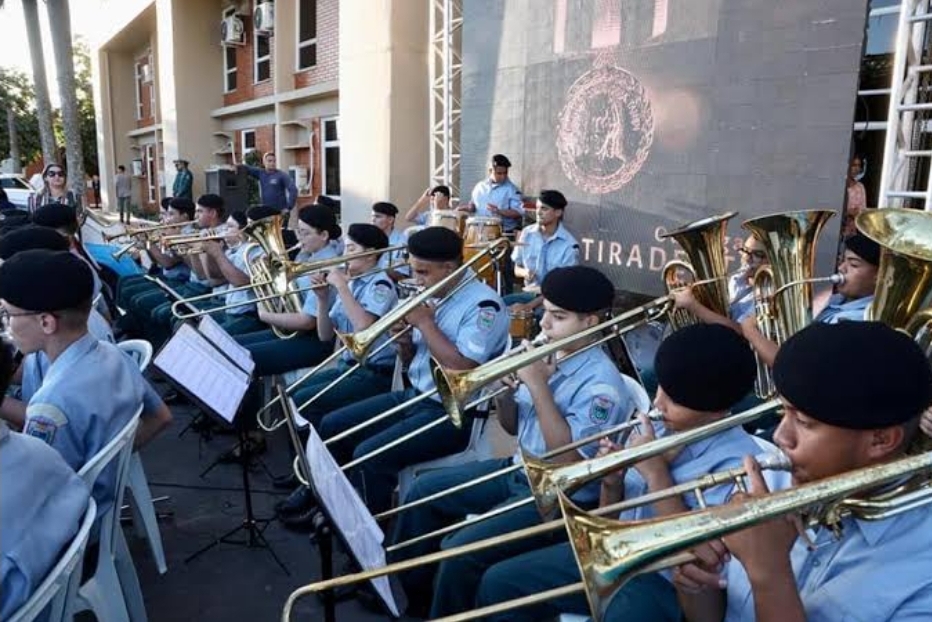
(85, 95)
(60, 26)
(18, 96)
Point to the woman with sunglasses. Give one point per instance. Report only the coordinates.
(55, 189)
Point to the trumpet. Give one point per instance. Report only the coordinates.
(775, 462)
(132, 232)
(194, 240)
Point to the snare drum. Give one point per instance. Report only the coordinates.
(521, 324)
(451, 219)
(480, 232)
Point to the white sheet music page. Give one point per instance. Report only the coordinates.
(209, 327)
(191, 361)
(349, 514)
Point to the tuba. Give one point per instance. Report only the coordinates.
(704, 243)
(783, 290)
(903, 296)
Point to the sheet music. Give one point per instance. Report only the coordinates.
(209, 327)
(191, 361)
(349, 514)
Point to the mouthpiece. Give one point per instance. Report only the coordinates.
(774, 461)
(837, 279)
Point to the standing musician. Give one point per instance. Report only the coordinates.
(543, 246)
(65, 411)
(383, 217)
(557, 403)
(740, 289)
(436, 198)
(358, 302)
(849, 303)
(467, 329)
(876, 570)
(40, 494)
(702, 371)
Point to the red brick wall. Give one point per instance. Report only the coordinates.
(328, 47)
(147, 117)
(245, 67)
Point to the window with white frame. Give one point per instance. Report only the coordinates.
(307, 34)
(330, 157)
(150, 79)
(247, 141)
(262, 54)
(151, 177)
(229, 59)
(140, 75)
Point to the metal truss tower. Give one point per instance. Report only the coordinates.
(446, 71)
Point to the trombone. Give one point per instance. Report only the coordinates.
(696, 487)
(173, 242)
(611, 552)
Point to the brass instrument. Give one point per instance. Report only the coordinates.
(783, 289)
(190, 243)
(903, 296)
(704, 243)
(771, 462)
(146, 236)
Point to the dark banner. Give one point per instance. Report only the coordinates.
(649, 114)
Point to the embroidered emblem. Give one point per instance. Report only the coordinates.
(602, 405)
(41, 428)
(380, 294)
(486, 318)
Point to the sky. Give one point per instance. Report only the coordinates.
(85, 21)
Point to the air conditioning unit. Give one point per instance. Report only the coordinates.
(232, 31)
(264, 18)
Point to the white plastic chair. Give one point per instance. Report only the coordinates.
(113, 578)
(641, 400)
(60, 586)
(145, 521)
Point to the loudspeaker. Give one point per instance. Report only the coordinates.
(231, 185)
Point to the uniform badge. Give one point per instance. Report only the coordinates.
(41, 428)
(601, 407)
(380, 294)
(486, 318)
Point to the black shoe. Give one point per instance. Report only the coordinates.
(285, 482)
(298, 502)
(302, 522)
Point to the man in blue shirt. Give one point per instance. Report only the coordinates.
(467, 329)
(876, 570)
(183, 188)
(436, 198)
(276, 187)
(384, 215)
(702, 371)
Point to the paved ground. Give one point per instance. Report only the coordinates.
(228, 583)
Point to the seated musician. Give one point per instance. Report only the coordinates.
(849, 303)
(232, 262)
(702, 371)
(362, 295)
(91, 388)
(740, 289)
(383, 217)
(543, 246)
(557, 403)
(875, 570)
(40, 494)
(436, 198)
(465, 330)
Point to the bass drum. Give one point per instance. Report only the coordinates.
(521, 325)
(451, 219)
(480, 232)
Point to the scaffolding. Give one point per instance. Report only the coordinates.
(446, 70)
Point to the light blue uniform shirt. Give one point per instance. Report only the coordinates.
(504, 195)
(877, 572)
(88, 394)
(42, 502)
(474, 319)
(376, 294)
(238, 257)
(741, 294)
(540, 255)
(590, 394)
(310, 298)
(837, 310)
(396, 257)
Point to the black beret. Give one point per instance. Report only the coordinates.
(321, 218)
(368, 236)
(384, 207)
(211, 201)
(436, 244)
(258, 212)
(856, 375)
(29, 238)
(444, 190)
(578, 288)
(240, 217)
(67, 282)
(864, 247)
(553, 199)
(166, 202)
(705, 367)
(326, 201)
(56, 215)
(14, 217)
(185, 206)
(500, 160)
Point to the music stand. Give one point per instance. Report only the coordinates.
(212, 379)
(342, 512)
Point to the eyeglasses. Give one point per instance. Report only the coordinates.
(752, 253)
(55, 174)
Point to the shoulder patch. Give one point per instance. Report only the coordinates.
(486, 318)
(43, 422)
(600, 408)
(381, 292)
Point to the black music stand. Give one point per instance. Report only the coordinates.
(190, 358)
